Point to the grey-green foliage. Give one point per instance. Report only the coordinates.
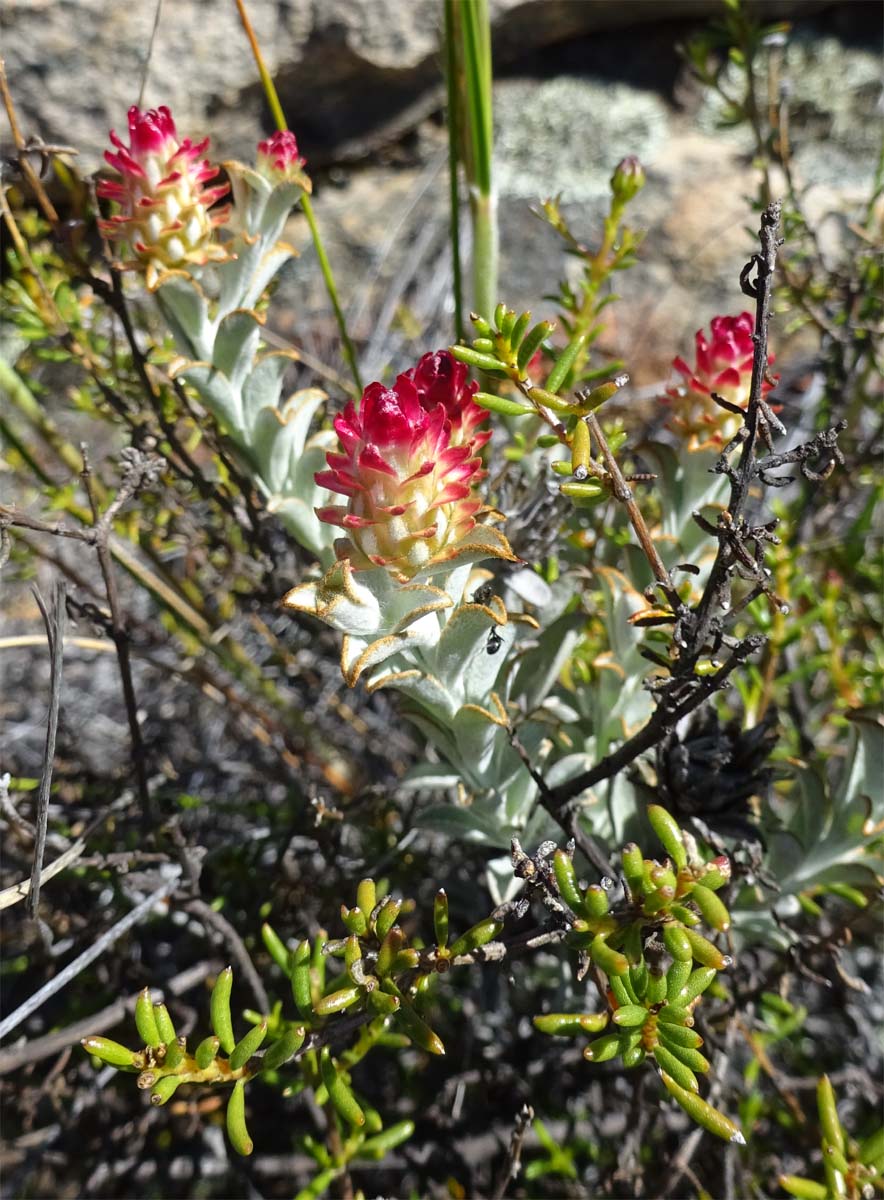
(823, 834)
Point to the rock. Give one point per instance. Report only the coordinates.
(577, 86)
(350, 72)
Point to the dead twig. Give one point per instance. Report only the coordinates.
(55, 637)
(98, 947)
(140, 470)
(695, 630)
(44, 1047)
(621, 491)
(513, 1161)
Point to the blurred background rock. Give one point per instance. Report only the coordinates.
(579, 84)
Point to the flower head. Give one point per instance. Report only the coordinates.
(408, 468)
(441, 380)
(164, 206)
(724, 366)
(278, 158)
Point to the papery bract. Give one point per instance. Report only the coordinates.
(408, 469)
(441, 379)
(164, 216)
(724, 366)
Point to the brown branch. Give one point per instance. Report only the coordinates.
(21, 145)
(30, 1052)
(762, 291)
(205, 913)
(140, 471)
(10, 516)
(684, 691)
(513, 1161)
(623, 492)
(664, 719)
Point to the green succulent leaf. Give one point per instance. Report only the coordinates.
(222, 1018)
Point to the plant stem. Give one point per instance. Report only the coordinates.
(623, 492)
(330, 286)
(325, 266)
(451, 83)
(473, 39)
(485, 242)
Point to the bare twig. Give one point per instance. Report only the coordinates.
(205, 913)
(623, 492)
(705, 616)
(18, 891)
(55, 636)
(22, 146)
(512, 1164)
(98, 947)
(30, 1052)
(664, 719)
(684, 691)
(140, 470)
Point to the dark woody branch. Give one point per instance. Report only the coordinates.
(701, 629)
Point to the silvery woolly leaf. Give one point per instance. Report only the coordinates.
(185, 308)
(299, 496)
(476, 729)
(216, 392)
(482, 542)
(270, 261)
(280, 204)
(502, 884)
(365, 604)
(462, 660)
(539, 668)
(236, 341)
(278, 445)
(413, 682)
(470, 824)
(251, 191)
(300, 519)
(530, 587)
(361, 654)
(296, 412)
(834, 836)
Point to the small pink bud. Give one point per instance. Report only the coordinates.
(278, 159)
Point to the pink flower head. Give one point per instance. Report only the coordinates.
(441, 380)
(278, 158)
(408, 469)
(163, 217)
(723, 366)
